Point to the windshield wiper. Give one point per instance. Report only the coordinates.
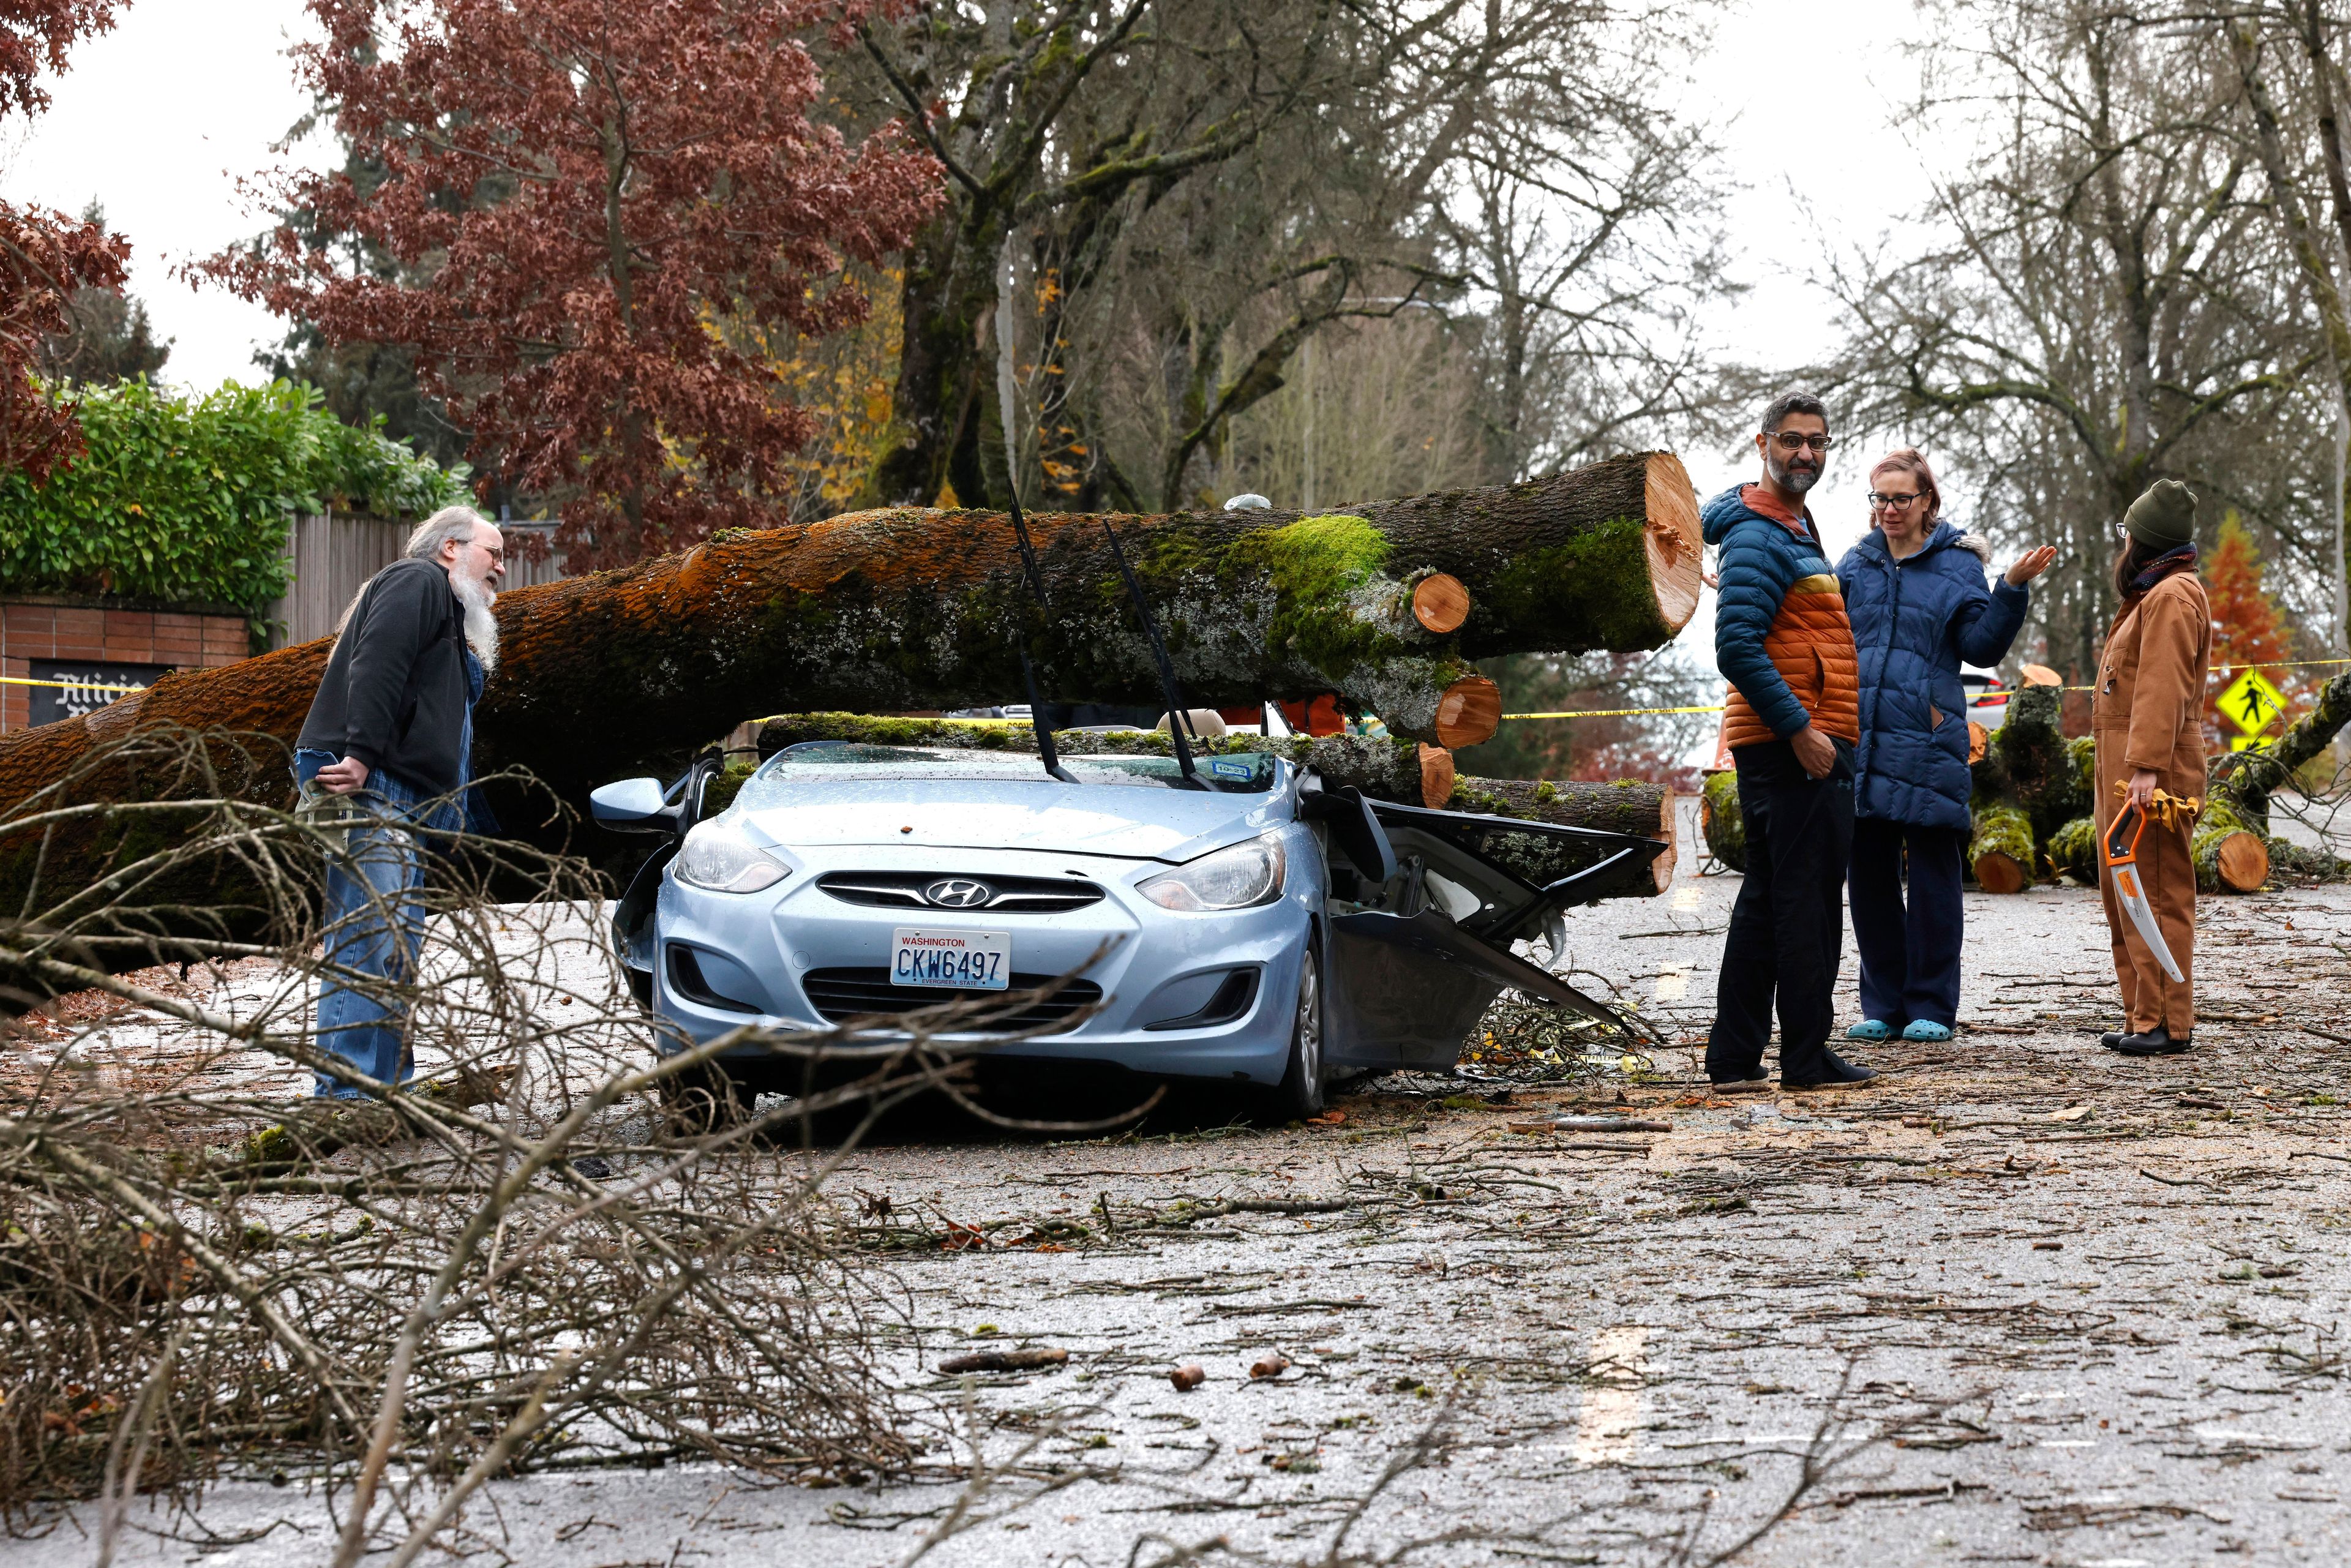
(1178, 715)
(1035, 581)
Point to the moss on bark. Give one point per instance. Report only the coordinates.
(2000, 851)
(1724, 830)
(2231, 854)
(2074, 849)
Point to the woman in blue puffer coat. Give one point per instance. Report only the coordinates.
(1914, 589)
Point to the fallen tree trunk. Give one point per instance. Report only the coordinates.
(909, 608)
(1384, 769)
(632, 671)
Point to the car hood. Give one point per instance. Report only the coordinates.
(1124, 821)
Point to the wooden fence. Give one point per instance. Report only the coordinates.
(334, 554)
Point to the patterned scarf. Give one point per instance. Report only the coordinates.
(2183, 558)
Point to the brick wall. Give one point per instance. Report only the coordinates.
(58, 628)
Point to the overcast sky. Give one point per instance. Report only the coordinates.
(161, 118)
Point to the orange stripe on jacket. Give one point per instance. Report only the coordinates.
(1811, 644)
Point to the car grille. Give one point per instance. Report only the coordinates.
(1006, 895)
(840, 993)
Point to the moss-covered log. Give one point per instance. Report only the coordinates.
(2073, 850)
(1621, 806)
(913, 607)
(2230, 856)
(1384, 769)
(2002, 851)
(2029, 761)
(631, 671)
(1718, 821)
(2030, 783)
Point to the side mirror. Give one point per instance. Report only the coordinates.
(632, 803)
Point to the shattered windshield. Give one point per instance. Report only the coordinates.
(834, 761)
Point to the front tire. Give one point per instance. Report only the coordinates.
(1303, 1082)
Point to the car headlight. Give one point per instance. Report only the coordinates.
(1231, 878)
(718, 857)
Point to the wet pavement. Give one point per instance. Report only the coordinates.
(2020, 1301)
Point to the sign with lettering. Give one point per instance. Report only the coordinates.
(84, 685)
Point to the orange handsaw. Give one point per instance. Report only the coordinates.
(2120, 850)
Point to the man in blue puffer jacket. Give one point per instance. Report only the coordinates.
(1914, 590)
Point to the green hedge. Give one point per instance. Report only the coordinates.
(187, 499)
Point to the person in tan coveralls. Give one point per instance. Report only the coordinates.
(2147, 717)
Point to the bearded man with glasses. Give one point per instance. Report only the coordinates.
(384, 761)
(1781, 640)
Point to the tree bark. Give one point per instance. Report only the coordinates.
(632, 671)
(1383, 769)
(909, 608)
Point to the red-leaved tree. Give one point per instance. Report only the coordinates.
(587, 200)
(45, 255)
(2249, 630)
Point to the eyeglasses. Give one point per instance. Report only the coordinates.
(1877, 500)
(497, 553)
(1791, 441)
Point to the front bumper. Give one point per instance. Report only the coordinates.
(782, 954)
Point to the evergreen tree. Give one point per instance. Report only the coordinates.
(109, 338)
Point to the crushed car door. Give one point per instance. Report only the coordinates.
(1417, 960)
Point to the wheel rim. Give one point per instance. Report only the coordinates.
(1310, 1031)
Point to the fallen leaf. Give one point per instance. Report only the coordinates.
(1187, 1378)
(2072, 1114)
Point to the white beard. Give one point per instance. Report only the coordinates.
(481, 626)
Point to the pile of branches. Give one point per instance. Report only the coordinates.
(540, 1253)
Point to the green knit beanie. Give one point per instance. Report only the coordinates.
(2165, 518)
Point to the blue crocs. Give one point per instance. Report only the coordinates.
(1925, 1031)
(1868, 1028)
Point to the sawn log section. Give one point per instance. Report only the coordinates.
(909, 608)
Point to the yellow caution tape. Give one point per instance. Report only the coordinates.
(77, 685)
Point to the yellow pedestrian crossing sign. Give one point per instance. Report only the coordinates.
(2251, 703)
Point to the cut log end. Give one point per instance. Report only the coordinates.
(1676, 550)
(1469, 712)
(1436, 775)
(1999, 873)
(1661, 870)
(2242, 861)
(1440, 603)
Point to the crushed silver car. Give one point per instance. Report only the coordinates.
(1233, 920)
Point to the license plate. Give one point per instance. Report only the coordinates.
(955, 960)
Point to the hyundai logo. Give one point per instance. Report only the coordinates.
(957, 893)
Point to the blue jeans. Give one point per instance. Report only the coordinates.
(374, 922)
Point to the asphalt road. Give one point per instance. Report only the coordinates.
(2023, 1301)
